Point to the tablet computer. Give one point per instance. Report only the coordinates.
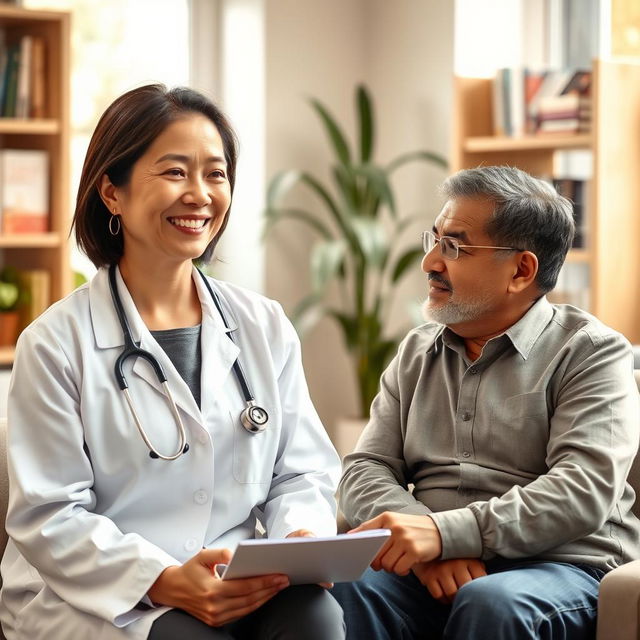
(340, 558)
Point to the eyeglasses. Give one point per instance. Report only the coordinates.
(450, 247)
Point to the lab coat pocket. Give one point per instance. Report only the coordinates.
(520, 427)
(254, 454)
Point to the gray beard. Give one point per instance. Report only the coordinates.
(454, 312)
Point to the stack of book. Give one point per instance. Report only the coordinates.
(566, 111)
(22, 77)
(532, 102)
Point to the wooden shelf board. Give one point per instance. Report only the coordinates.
(10, 14)
(483, 144)
(30, 240)
(30, 126)
(7, 355)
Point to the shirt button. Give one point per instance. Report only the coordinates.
(466, 416)
(200, 497)
(473, 371)
(191, 544)
(465, 454)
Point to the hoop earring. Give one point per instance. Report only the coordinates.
(112, 231)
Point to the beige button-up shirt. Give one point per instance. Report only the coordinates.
(523, 453)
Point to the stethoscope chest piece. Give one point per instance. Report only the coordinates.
(254, 418)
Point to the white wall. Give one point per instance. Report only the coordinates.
(404, 52)
(312, 49)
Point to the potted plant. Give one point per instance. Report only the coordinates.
(358, 243)
(9, 302)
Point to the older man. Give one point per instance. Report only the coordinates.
(516, 421)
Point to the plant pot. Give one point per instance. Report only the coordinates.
(346, 434)
(8, 328)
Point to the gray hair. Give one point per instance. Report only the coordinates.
(529, 214)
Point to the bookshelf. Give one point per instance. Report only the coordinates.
(612, 253)
(48, 250)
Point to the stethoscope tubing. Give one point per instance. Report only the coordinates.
(253, 418)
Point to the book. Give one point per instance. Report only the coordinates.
(516, 102)
(563, 125)
(564, 102)
(24, 190)
(10, 82)
(38, 75)
(498, 104)
(579, 83)
(23, 87)
(532, 82)
(3, 65)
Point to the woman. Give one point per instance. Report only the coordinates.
(118, 521)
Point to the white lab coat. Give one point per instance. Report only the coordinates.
(93, 519)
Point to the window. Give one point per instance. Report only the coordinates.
(117, 45)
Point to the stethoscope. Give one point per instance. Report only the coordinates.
(253, 417)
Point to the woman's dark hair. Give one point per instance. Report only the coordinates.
(124, 132)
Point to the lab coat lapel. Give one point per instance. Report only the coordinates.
(218, 351)
(109, 334)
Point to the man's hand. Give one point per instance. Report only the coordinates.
(443, 578)
(195, 588)
(413, 539)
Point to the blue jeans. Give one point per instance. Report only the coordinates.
(517, 600)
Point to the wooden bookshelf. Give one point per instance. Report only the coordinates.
(49, 250)
(612, 254)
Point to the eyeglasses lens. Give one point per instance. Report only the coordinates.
(449, 248)
(427, 241)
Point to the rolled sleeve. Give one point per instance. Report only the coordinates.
(460, 533)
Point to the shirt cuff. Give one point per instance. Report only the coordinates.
(459, 532)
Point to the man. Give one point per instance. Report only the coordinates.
(516, 421)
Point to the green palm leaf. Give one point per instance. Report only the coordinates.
(337, 138)
(410, 258)
(326, 261)
(365, 118)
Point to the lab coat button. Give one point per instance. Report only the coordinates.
(203, 438)
(200, 497)
(191, 544)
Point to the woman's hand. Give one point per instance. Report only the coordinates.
(305, 533)
(195, 588)
(443, 578)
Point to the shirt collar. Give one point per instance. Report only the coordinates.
(523, 334)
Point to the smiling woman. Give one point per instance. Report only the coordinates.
(159, 457)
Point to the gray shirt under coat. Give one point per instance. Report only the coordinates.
(523, 453)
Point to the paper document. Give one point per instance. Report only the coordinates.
(340, 558)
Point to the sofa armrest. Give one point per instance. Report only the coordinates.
(619, 604)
